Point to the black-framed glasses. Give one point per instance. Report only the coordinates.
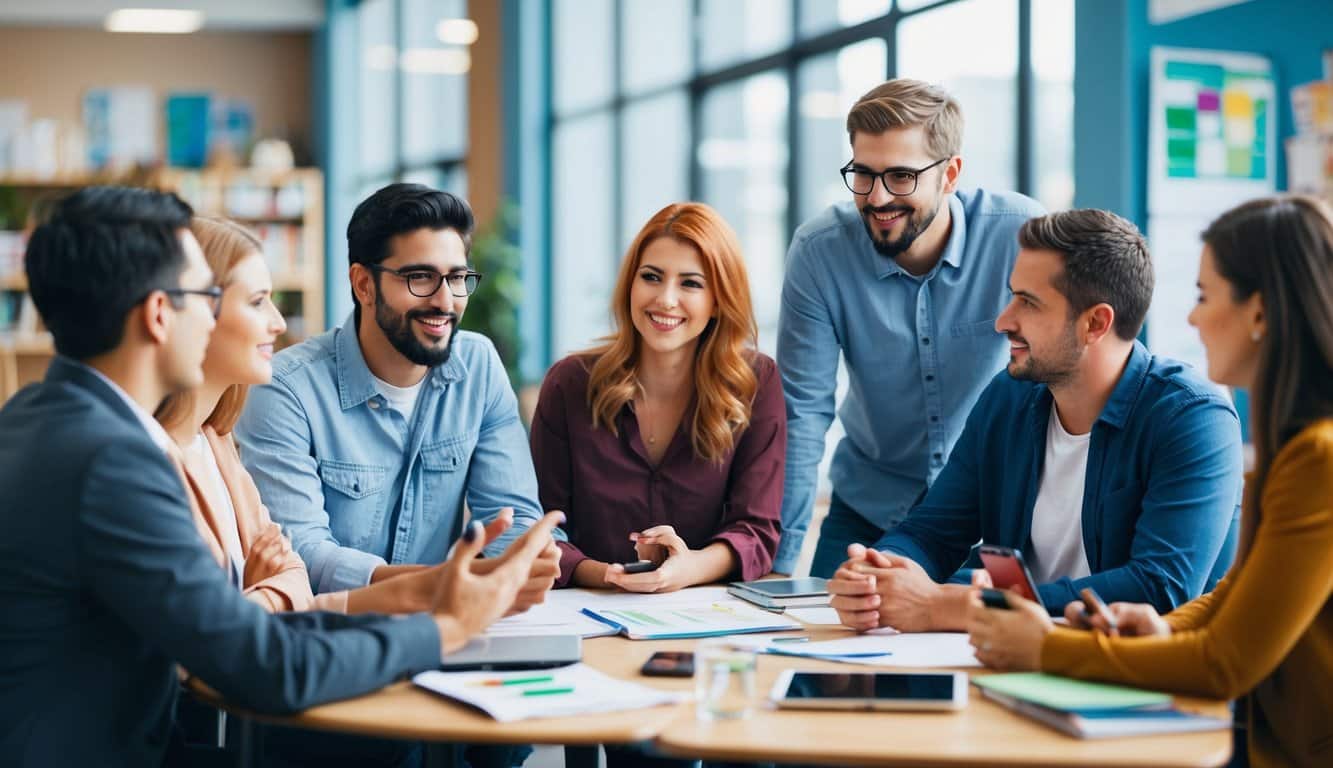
(424, 283)
(213, 294)
(899, 182)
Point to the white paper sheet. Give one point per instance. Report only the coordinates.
(574, 690)
(878, 648)
(822, 615)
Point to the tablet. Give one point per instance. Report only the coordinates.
(505, 652)
(870, 690)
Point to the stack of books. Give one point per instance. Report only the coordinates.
(1092, 710)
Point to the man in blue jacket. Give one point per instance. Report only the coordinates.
(105, 584)
(1108, 467)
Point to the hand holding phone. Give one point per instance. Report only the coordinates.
(994, 598)
(669, 664)
(1093, 604)
(640, 566)
(1008, 571)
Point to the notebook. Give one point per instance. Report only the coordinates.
(1092, 710)
(778, 594)
(668, 621)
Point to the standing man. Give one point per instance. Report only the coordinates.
(905, 281)
(371, 436)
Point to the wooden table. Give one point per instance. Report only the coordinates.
(984, 733)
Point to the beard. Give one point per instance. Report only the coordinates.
(1052, 370)
(914, 223)
(397, 329)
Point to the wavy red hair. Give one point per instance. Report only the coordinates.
(724, 378)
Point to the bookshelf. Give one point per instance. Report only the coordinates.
(284, 209)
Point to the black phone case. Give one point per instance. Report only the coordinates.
(660, 665)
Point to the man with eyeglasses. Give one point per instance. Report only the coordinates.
(904, 282)
(105, 584)
(372, 436)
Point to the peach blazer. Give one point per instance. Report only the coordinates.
(289, 589)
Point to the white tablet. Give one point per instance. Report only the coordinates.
(870, 690)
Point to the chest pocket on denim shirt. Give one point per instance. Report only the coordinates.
(443, 476)
(354, 498)
(979, 339)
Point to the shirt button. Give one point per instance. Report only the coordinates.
(375, 404)
(938, 456)
(930, 377)
(925, 340)
(935, 418)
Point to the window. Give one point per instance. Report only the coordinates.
(742, 104)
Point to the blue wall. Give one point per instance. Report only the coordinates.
(1113, 44)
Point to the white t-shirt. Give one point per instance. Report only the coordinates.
(231, 537)
(401, 399)
(1057, 515)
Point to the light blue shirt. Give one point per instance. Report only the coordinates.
(918, 350)
(355, 485)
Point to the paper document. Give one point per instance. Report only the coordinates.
(549, 619)
(881, 648)
(574, 690)
(667, 619)
(814, 615)
(1069, 695)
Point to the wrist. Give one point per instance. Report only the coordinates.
(452, 634)
(948, 608)
(589, 573)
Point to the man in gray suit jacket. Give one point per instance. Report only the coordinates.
(105, 584)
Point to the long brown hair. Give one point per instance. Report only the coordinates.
(724, 380)
(225, 243)
(1282, 248)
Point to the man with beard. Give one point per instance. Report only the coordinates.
(372, 436)
(905, 280)
(1106, 466)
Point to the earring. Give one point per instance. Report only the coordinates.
(1256, 335)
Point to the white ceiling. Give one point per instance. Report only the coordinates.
(218, 14)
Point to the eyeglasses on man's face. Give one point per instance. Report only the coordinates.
(899, 182)
(423, 283)
(212, 294)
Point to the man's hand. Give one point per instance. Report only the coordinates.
(467, 602)
(541, 577)
(267, 556)
(897, 590)
(664, 546)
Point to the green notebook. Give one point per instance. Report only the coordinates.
(1070, 695)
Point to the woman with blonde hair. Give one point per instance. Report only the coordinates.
(1265, 317)
(667, 442)
(230, 515)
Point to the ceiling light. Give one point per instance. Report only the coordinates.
(154, 20)
(456, 31)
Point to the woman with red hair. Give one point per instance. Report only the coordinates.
(667, 442)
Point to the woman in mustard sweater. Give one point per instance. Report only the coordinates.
(1265, 316)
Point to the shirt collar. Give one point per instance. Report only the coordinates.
(155, 431)
(1126, 392)
(356, 384)
(953, 247)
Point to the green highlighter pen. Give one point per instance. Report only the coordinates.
(547, 691)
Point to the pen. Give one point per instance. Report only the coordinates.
(516, 681)
(801, 639)
(546, 691)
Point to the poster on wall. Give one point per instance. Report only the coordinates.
(1212, 138)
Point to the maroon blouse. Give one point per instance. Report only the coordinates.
(607, 487)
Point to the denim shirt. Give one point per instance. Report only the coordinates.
(919, 349)
(355, 486)
(1161, 494)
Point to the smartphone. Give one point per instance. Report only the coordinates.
(994, 598)
(870, 690)
(1093, 603)
(1008, 571)
(640, 566)
(669, 664)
